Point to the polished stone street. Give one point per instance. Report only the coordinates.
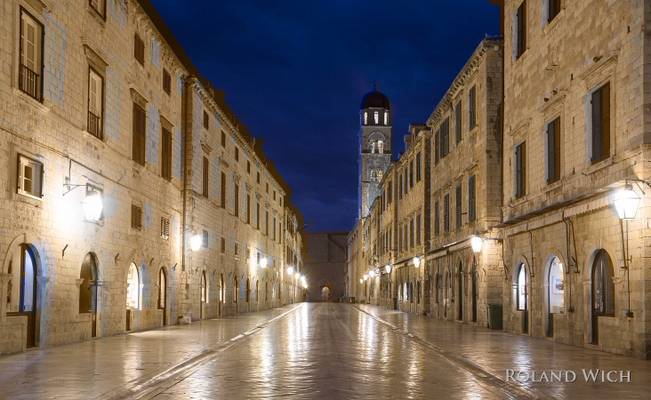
(309, 351)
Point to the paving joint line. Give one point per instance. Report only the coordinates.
(150, 386)
(513, 390)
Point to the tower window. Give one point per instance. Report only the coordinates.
(380, 145)
(386, 118)
(365, 118)
(376, 117)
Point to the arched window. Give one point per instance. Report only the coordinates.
(373, 175)
(556, 286)
(380, 174)
(386, 118)
(603, 287)
(88, 286)
(365, 118)
(133, 287)
(373, 146)
(248, 290)
(204, 288)
(235, 289)
(162, 289)
(521, 288)
(376, 117)
(222, 289)
(380, 146)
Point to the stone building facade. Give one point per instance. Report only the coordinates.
(555, 157)
(113, 152)
(325, 265)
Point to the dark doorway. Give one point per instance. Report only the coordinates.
(522, 296)
(88, 290)
(473, 286)
(603, 291)
(162, 294)
(22, 290)
(460, 290)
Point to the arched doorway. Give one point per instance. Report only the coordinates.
(460, 290)
(521, 296)
(555, 293)
(162, 294)
(88, 290)
(603, 291)
(133, 293)
(473, 287)
(325, 293)
(248, 290)
(204, 295)
(22, 289)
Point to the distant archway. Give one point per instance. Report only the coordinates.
(325, 293)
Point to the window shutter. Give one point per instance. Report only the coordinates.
(138, 151)
(471, 199)
(166, 168)
(551, 152)
(605, 121)
(597, 130)
(205, 185)
(457, 121)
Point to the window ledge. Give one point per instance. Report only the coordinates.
(554, 185)
(599, 165)
(29, 99)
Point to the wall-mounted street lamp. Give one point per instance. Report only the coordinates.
(290, 271)
(93, 205)
(263, 262)
(388, 268)
(365, 277)
(195, 242)
(627, 201)
(476, 244)
(361, 281)
(416, 261)
(371, 273)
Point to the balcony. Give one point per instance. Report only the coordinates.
(29, 82)
(94, 125)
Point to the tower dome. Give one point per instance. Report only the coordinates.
(375, 99)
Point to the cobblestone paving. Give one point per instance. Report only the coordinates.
(312, 351)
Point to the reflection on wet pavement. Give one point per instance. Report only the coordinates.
(311, 351)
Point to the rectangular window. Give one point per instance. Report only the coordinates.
(600, 106)
(237, 154)
(418, 167)
(139, 134)
(521, 30)
(99, 6)
(30, 177)
(248, 167)
(445, 137)
(554, 150)
(437, 146)
(257, 177)
(472, 107)
(167, 82)
(206, 120)
(458, 205)
(204, 239)
(139, 49)
(389, 193)
(266, 223)
(95, 103)
(223, 139)
(446, 213)
(472, 202)
(520, 170)
(257, 215)
(236, 199)
(136, 217)
(400, 186)
(437, 218)
(411, 174)
(164, 228)
(206, 177)
(166, 159)
(418, 234)
(411, 233)
(457, 121)
(223, 245)
(553, 8)
(30, 72)
(222, 192)
(248, 208)
(274, 225)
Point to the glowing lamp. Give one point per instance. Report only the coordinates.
(416, 261)
(195, 242)
(476, 243)
(388, 268)
(263, 262)
(290, 271)
(93, 206)
(626, 202)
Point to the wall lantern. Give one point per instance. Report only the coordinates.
(290, 271)
(626, 202)
(416, 261)
(365, 277)
(476, 243)
(263, 262)
(92, 204)
(361, 281)
(195, 242)
(388, 268)
(376, 271)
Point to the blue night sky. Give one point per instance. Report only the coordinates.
(295, 72)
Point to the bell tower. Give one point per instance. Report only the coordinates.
(374, 146)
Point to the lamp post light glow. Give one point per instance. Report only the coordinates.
(476, 243)
(416, 261)
(371, 273)
(93, 206)
(263, 262)
(387, 268)
(290, 271)
(365, 277)
(626, 202)
(195, 242)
